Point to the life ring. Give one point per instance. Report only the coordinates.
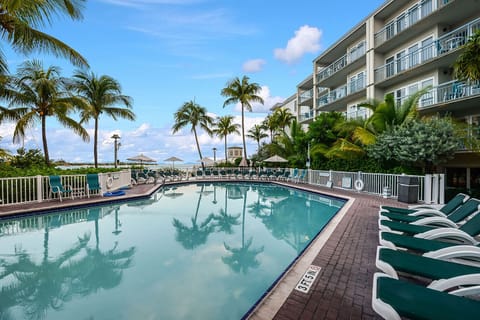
(359, 185)
(109, 182)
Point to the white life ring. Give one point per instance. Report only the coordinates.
(359, 185)
(109, 182)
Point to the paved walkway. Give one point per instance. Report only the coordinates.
(342, 289)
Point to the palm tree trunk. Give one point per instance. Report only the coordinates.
(95, 144)
(44, 140)
(225, 149)
(243, 133)
(198, 147)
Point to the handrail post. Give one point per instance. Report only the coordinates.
(39, 189)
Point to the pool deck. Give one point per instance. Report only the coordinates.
(345, 252)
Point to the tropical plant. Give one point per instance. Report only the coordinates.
(194, 115)
(44, 94)
(283, 117)
(224, 127)
(19, 21)
(101, 95)
(256, 133)
(271, 124)
(467, 65)
(243, 92)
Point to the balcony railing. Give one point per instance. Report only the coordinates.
(306, 116)
(449, 92)
(342, 91)
(416, 13)
(342, 62)
(443, 45)
(306, 95)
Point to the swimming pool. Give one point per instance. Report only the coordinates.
(194, 251)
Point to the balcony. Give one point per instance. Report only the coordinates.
(343, 91)
(306, 116)
(306, 95)
(449, 92)
(443, 45)
(415, 14)
(355, 54)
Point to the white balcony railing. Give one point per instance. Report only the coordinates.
(443, 45)
(355, 54)
(342, 91)
(306, 95)
(418, 12)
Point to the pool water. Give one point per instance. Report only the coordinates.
(195, 251)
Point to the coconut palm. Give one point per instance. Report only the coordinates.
(224, 127)
(101, 94)
(194, 115)
(41, 93)
(256, 133)
(283, 117)
(467, 65)
(271, 124)
(243, 92)
(19, 21)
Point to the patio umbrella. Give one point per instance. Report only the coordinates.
(173, 159)
(207, 161)
(141, 158)
(275, 158)
(243, 163)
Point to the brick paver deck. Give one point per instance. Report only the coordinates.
(342, 289)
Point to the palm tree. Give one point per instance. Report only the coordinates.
(19, 20)
(256, 133)
(192, 114)
(100, 94)
(271, 124)
(44, 94)
(225, 126)
(243, 92)
(467, 65)
(283, 117)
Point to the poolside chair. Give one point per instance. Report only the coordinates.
(457, 215)
(394, 261)
(447, 208)
(56, 187)
(394, 299)
(426, 242)
(301, 177)
(93, 184)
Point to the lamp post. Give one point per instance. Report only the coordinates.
(214, 155)
(116, 145)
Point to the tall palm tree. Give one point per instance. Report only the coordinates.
(19, 21)
(44, 94)
(224, 127)
(192, 114)
(256, 133)
(101, 95)
(467, 65)
(271, 124)
(283, 117)
(243, 92)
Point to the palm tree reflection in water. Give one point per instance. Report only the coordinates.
(78, 271)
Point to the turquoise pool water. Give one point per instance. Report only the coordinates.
(195, 251)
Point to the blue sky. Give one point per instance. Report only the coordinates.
(167, 52)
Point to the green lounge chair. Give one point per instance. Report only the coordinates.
(471, 226)
(394, 299)
(56, 187)
(394, 261)
(419, 244)
(449, 207)
(457, 215)
(93, 184)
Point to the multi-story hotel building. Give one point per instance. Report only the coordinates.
(401, 47)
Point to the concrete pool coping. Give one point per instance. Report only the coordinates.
(345, 250)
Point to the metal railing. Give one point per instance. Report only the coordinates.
(342, 91)
(358, 52)
(22, 190)
(416, 13)
(443, 45)
(306, 116)
(307, 95)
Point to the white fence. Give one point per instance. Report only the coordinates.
(21, 190)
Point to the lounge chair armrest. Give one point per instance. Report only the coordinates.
(384, 266)
(447, 233)
(456, 252)
(435, 221)
(380, 307)
(428, 212)
(470, 285)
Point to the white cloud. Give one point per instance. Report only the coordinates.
(268, 102)
(306, 40)
(254, 65)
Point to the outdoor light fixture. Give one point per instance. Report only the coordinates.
(116, 145)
